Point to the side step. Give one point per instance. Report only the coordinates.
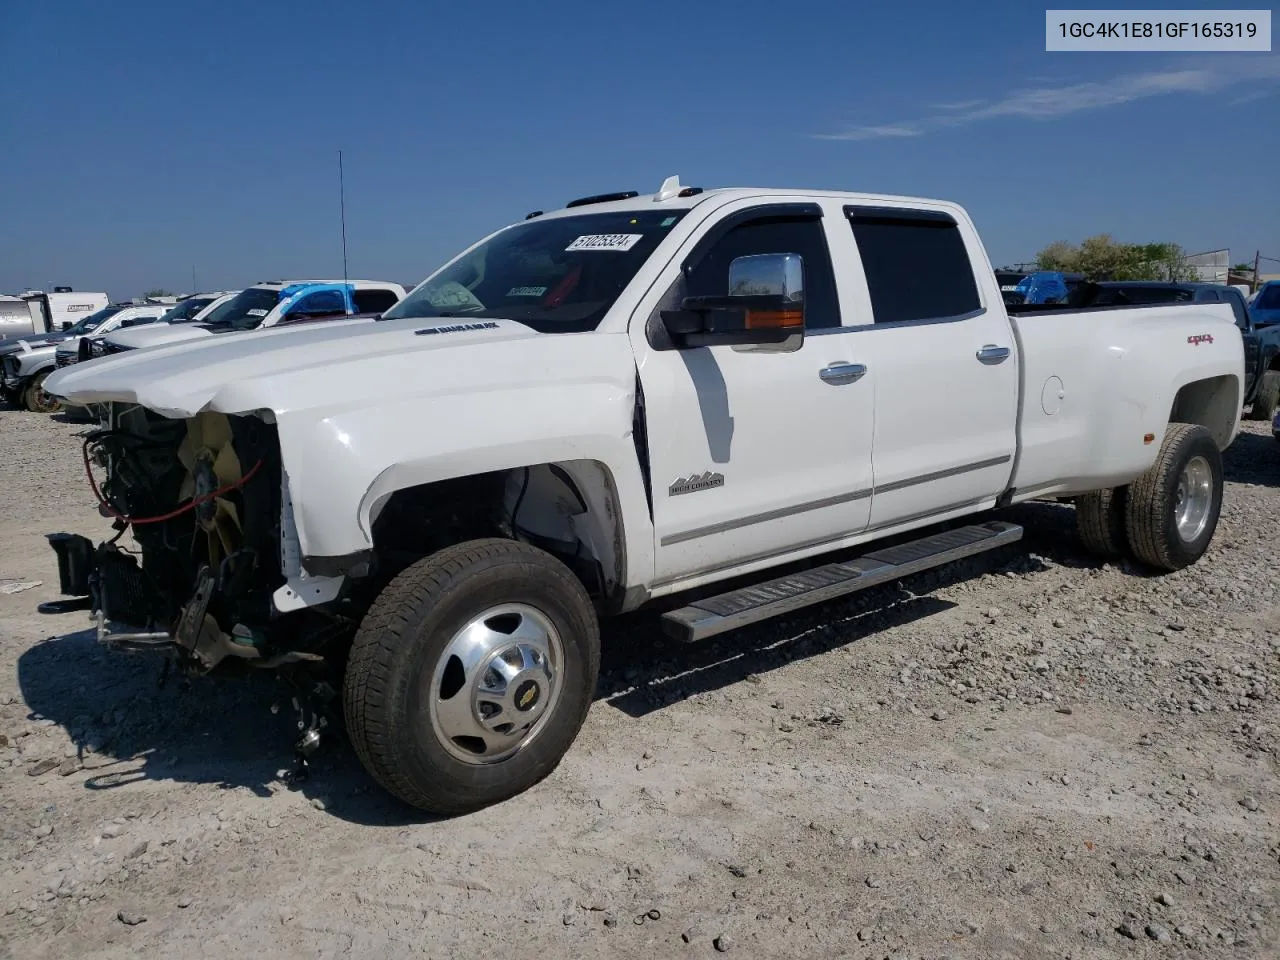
(737, 608)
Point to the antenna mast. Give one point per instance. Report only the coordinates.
(342, 202)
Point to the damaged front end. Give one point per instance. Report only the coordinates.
(207, 502)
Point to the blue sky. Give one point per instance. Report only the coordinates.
(144, 138)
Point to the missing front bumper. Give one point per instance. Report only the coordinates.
(127, 608)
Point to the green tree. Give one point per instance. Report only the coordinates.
(159, 292)
(1102, 257)
(1058, 255)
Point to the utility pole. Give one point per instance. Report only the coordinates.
(194, 287)
(1253, 286)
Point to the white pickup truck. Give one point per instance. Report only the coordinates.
(633, 398)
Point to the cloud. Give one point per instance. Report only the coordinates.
(959, 105)
(1045, 102)
(875, 133)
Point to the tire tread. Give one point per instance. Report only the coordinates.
(1146, 512)
(373, 681)
(1100, 522)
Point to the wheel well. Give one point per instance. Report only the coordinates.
(1214, 403)
(570, 509)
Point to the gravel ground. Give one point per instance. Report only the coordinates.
(1032, 756)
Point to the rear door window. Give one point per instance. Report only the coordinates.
(916, 264)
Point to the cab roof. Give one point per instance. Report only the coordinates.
(674, 196)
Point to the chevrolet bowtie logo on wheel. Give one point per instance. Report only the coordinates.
(700, 481)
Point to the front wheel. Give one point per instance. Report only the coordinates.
(36, 400)
(1172, 510)
(471, 675)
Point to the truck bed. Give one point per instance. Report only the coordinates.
(1098, 387)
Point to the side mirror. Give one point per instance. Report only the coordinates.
(765, 305)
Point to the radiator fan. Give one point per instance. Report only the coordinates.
(211, 464)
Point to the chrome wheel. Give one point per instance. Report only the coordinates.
(1194, 500)
(495, 683)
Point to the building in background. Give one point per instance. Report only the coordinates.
(1213, 266)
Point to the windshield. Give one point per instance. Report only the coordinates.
(186, 310)
(1269, 298)
(556, 276)
(93, 321)
(245, 310)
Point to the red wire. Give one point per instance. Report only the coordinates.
(113, 512)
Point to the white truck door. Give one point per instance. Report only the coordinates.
(753, 451)
(941, 349)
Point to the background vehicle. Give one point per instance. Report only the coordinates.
(635, 398)
(15, 317)
(25, 363)
(1044, 286)
(1266, 304)
(58, 311)
(189, 309)
(266, 304)
(1261, 342)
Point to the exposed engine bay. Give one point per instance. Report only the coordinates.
(203, 498)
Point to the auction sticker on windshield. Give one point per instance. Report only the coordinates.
(606, 241)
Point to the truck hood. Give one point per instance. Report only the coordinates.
(154, 334)
(326, 366)
(29, 341)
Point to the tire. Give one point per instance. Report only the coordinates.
(1100, 522)
(401, 690)
(36, 400)
(1267, 398)
(1152, 510)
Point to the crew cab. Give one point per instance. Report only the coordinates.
(707, 401)
(25, 364)
(264, 305)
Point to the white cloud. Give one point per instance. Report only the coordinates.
(875, 133)
(1045, 102)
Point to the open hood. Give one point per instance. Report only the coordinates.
(291, 368)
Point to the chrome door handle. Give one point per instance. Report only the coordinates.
(842, 372)
(990, 353)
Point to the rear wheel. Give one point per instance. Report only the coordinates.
(1100, 522)
(471, 675)
(36, 400)
(1268, 398)
(1172, 510)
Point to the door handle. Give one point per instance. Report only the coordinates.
(991, 353)
(837, 373)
